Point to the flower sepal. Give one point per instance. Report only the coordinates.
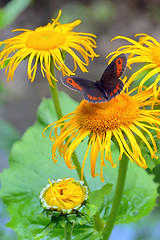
(63, 220)
(77, 216)
(80, 217)
(54, 213)
(74, 218)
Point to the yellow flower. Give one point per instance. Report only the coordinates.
(123, 117)
(45, 44)
(63, 195)
(147, 51)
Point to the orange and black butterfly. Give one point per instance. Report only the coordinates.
(104, 90)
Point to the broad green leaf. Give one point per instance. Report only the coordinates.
(156, 172)
(46, 231)
(31, 166)
(151, 162)
(141, 75)
(137, 200)
(46, 113)
(4, 233)
(96, 198)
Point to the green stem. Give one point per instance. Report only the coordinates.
(122, 173)
(55, 98)
(68, 230)
(54, 94)
(78, 168)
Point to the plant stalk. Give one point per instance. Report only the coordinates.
(122, 173)
(54, 94)
(68, 230)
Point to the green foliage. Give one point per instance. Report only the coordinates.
(11, 11)
(137, 200)
(141, 75)
(5, 234)
(31, 166)
(96, 198)
(151, 163)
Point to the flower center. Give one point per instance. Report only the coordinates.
(156, 55)
(101, 117)
(45, 40)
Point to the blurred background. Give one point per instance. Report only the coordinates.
(19, 99)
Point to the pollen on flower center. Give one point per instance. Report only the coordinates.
(156, 55)
(45, 40)
(101, 117)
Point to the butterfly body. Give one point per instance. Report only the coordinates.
(104, 90)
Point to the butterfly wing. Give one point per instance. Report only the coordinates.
(107, 88)
(94, 94)
(110, 82)
(115, 68)
(90, 90)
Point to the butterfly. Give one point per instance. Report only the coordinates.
(106, 88)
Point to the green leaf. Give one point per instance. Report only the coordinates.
(46, 231)
(31, 166)
(151, 162)
(137, 200)
(96, 198)
(141, 75)
(4, 233)
(46, 113)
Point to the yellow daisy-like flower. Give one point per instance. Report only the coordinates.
(63, 195)
(45, 44)
(122, 118)
(147, 51)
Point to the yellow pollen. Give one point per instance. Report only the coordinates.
(45, 40)
(156, 55)
(101, 117)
